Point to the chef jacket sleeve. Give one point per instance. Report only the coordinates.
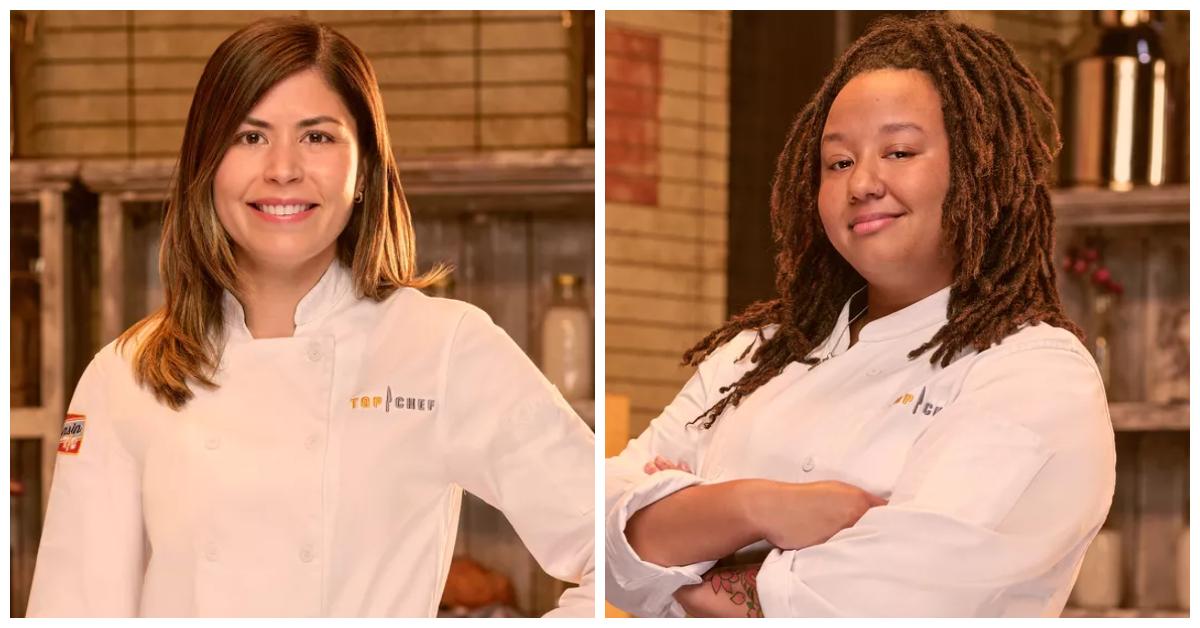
(511, 439)
(90, 562)
(632, 584)
(1012, 477)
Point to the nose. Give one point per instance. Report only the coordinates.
(864, 182)
(283, 164)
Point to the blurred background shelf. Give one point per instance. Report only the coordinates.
(1100, 207)
(511, 180)
(1144, 417)
(1123, 613)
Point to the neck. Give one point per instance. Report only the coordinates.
(270, 294)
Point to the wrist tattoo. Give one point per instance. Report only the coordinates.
(740, 585)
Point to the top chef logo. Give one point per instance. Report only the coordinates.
(72, 434)
(368, 402)
(925, 407)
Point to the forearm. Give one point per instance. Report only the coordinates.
(698, 523)
(724, 592)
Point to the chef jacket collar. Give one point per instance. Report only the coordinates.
(311, 309)
(924, 313)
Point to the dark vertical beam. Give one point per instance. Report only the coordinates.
(777, 61)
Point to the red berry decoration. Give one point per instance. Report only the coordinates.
(1080, 260)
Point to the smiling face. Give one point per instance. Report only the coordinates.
(285, 188)
(885, 171)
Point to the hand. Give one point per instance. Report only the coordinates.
(724, 592)
(794, 516)
(662, 464)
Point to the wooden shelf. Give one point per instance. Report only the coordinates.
(1148, 417)
(501, 181)
(1099, 207)
(561, 180)
(1071, 611)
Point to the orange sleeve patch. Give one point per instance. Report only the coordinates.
(72, 434)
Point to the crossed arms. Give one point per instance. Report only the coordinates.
(988, 515)
(708, 522)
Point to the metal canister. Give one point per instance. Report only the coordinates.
(1117, 105)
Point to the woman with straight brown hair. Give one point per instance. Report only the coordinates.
(290, 434)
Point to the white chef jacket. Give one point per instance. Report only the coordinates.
(323, 477)
(999, 469)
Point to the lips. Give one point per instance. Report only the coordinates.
(870, 223)
(283, 214)
(272, 200)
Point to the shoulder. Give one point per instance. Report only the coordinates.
(728, 362)
(452, 324)
(1038, 349)
(739, 348)
(1043, 379)
(109, 375)
(410, 311)
(114, 362)
(410, 302)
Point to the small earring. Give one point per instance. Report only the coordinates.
(358, 197)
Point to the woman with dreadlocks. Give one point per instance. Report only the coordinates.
(913, 426)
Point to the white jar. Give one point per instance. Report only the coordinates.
(1099, 582)
(567, 340)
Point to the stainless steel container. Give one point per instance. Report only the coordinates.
(1117, 105)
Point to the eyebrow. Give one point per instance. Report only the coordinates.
(303, 123)
(891, 127)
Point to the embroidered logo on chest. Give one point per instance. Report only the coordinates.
(921, 405)
(392, 402)
(72, 434)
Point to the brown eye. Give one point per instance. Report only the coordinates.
(316, 137)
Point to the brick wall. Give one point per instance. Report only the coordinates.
(119, 83)
(667, 145)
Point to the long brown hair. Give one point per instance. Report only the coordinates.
(179, 344)
(996, 215)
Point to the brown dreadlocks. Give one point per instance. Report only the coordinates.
(996, 215)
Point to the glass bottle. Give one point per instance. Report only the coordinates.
(567, 339)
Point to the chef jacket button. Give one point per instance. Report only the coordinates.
(210, 552)
(808, 464)
(307, 554)
(314, 352)
(311, 442)
(213, 442)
